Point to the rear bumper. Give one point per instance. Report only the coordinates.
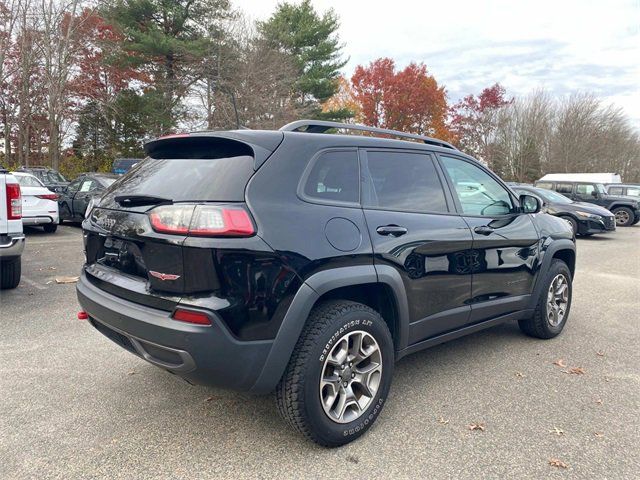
(11, 245)
(40, 219)
(200, 354)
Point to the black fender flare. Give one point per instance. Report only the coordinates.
(304, 300)
(548, 252)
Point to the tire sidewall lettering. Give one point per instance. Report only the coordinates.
(350, 325)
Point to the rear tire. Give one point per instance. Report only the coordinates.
(624, 216)
(10, 271)
(544, 323)
(339, 341)
(50, 227)
(636, 220)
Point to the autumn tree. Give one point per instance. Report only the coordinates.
(312, 41)
(343, 104)
(473, 121)
(169, 40)
(409, 100)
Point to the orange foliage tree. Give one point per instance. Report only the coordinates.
(409, 100)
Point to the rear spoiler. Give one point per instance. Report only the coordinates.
(258, 144)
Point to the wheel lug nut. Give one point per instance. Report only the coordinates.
(344, 384)
(342, 366)
(353, 375)
(350, 364)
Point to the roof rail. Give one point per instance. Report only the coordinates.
(321, 126)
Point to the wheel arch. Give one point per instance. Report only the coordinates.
(357, 283)
(564, 250)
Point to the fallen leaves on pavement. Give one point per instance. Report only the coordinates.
(476, 426)
(557, 431)
(598, 434)
(600, 353)
(67, 279)
(576, 371)
(554, 462)
(520, 375)
(599, 401)
(560, 363)
(443, 421)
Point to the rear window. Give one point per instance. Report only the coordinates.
(564, 187)
(334, 177)
(28, 181)
(201, 179)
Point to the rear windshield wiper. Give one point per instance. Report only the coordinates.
(133, 200)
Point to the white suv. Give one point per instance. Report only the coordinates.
(39, 204)
(11, 236)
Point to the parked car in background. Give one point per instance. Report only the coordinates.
(39, 204)
(625, 209)
(11, 236)
(627, 189)
(584, 218)
(308, 263)
(52, 179)
(123, 165)
(74, 199)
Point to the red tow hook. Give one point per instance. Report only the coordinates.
(82, 315)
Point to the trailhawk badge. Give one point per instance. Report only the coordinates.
(163, 276)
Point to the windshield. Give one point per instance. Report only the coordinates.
(107, 181)
(53, 177)
(28, 181)
(552, 197)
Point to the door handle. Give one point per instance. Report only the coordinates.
(483, 230)
(394, 230)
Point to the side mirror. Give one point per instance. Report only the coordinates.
(594, 193)
(530, 204)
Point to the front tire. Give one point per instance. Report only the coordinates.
(624, 216)
(554, 303)
(10, 271)
(339, 374)
(572, 222)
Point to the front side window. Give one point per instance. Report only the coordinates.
(564, 187)
(616, 190)
(334, 177)
(585, 189)
(86, 185)
(403, 181)
(74, 186)
(477, 191)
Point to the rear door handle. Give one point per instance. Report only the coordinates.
(483, 230)
(394, 230)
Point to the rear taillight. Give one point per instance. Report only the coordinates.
(202, 220)
(51, 196)
(14, 202)
(190, 316)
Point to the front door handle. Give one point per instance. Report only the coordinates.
(483, 230)
(394, 230)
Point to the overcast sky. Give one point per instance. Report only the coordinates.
(560, 45)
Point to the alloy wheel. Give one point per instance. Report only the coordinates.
(351, 376)
(622, 217)
(557, 300)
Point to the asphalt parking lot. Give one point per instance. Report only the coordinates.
(75, 405)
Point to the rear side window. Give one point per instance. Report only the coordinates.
(548, 186)
(200, 179)
(334, 177)
(564, 187)
(404, 181)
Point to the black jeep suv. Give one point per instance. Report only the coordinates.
(307, 263)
